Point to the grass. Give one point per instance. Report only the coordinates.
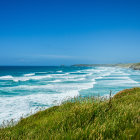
(137, 64)
(81, 119)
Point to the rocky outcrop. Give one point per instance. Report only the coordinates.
(135, 66)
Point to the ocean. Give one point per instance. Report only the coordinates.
(24, 90)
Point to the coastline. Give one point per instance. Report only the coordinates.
(87, 118)
(68, 82)
(134, 66)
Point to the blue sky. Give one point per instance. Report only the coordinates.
(52, 32)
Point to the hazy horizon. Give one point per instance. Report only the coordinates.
(57, 65)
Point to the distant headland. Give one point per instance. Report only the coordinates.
(135, 66)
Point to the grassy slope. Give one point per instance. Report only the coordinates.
(136, 66)
(84, 119)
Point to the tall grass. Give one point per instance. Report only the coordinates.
(84, 118)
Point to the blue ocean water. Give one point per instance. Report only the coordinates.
(24, 90)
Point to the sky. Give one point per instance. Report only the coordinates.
(55, 32)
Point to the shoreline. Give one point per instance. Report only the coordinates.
(99, 77)
(134, 66)
(88, 118)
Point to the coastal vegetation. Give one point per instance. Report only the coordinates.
(83, 118)
(135, 66)
(104, 65)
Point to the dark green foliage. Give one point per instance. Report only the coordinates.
(84, 118)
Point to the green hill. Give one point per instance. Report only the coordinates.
(136, 66)
(83, 118)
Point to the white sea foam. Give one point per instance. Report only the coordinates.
(52, 89)
(56, 86)
(24, 78)
(120, 82)
(7, 77)
(56, 81)
(72, 79)
(15, 107)
(59, 71)
(16, 79)
(30, 74)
